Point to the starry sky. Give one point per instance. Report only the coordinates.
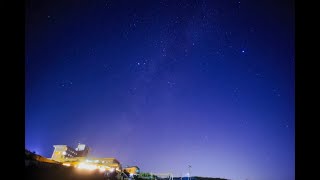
(164, 84)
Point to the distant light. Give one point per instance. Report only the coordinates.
(242, 51)
(101, 169)
(112, 169)
(87, 166)
(64, 153)
(66, 164)
(131, 175)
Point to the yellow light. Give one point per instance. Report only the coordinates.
(87, 166)
(102, 169)
(66, 164)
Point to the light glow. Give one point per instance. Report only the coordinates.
(101, 169)
(87, 166)
(112, 169)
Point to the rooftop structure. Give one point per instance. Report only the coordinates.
(78, 157)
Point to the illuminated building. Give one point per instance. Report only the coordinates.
(82, 150)
(133, 170)
(109, 164)
(63, 152)
(78, 158)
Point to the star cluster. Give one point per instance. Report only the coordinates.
(163, 84)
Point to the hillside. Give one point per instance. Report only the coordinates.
(40, 168)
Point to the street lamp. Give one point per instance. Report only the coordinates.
(189, 167)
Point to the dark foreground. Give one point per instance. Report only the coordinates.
(59, 172)
(39, 170)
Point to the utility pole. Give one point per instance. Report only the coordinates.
(189, 167)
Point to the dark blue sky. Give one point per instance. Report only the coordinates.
(163, 84)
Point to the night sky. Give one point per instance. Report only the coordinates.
(165, 84)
